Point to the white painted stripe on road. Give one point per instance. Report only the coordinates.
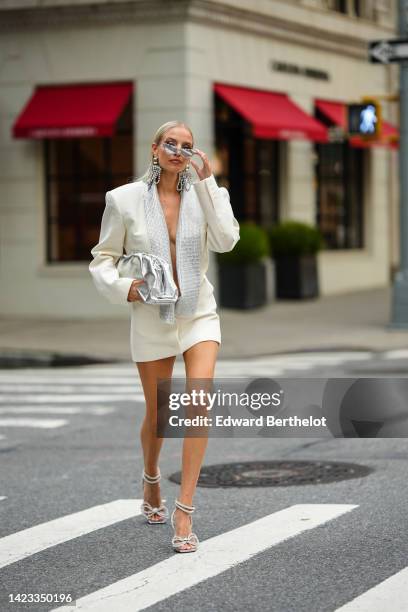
(125, 367)
(243, 370)
(91, 410)
(248, 373)
(33, 540)
(44, 399)
(215, 555)
(33, 423)
(241, 363)
(289, 358)
(130, 369)
(2, 497)
(390, 595)
(49, 379)
(128, 374)
(322, 356)
(396, 354)
(21, 387)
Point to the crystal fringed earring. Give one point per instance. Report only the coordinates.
(185, 178)
(154, 171)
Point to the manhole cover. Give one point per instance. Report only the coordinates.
(275, 473)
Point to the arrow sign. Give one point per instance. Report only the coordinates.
(387, 51)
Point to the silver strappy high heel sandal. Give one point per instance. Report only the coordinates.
(147, 509)
(192, 539)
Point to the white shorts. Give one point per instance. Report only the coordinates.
(151, 338)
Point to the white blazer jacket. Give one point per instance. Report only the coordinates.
(123, 229)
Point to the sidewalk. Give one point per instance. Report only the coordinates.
(358, 320)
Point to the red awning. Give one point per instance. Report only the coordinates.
(272, 115)
(336, 112)
(72, 111)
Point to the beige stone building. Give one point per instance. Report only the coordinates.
(264, 85)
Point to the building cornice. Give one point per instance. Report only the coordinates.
(203, 12)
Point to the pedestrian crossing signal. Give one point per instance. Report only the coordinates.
(365, 119)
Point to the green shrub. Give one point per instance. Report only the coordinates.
(294, 238)
(252, 245)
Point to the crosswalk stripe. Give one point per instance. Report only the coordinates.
(396, 354)
(46, 409)
(295, 359)
(391, 595)
(21, 387)
(49, 378)
(125, 373)
(214, 556)
(245, 372)
(33, 423)
(316, 356)
(2, 497)
(125, 377)
(126, 366)
(40, 399)
(22, 544)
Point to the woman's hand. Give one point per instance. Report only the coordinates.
(205, 171)
(134, 295)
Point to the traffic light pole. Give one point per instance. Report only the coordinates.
(400, 289)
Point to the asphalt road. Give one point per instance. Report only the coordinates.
(70, 493)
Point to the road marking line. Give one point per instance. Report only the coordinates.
(34, 423)
(247, 373)
(396, 354)
(21, 387)
(127, 374)
(91, 410)
(49, 378)
(33, 540)
(343, 355)
(49, 398)
(391, 595)
(214, 556)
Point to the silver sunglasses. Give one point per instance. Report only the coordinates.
(171, 149)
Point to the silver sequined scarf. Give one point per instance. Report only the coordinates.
(188, 247)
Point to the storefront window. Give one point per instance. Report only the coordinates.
(339, 178)
(357, 8)
(248, 167)
(339, 6)
(79, 171)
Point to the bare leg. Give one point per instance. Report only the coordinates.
(199, 362)
(149, 372)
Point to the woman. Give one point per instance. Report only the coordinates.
(165, 214)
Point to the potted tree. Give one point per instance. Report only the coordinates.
(294, 246)
(242, 271)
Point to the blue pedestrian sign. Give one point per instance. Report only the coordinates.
(364, 119)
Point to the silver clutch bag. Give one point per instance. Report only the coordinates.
(159, 286)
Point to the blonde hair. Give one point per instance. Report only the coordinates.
(158, 137)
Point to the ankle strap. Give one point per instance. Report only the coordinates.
(184, 507)
(151, 479)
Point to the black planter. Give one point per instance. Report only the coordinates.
(242, 285)
(296, 276)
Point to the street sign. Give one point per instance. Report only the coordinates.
(387, 51)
